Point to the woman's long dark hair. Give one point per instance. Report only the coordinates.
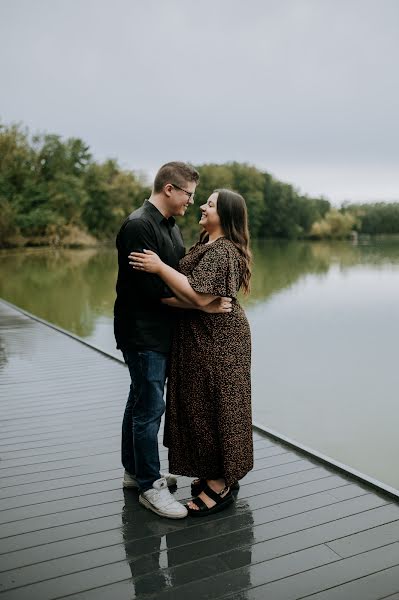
(233, 215)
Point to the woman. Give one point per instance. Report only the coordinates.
(208, 425)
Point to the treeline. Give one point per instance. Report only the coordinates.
(376, 218)
(52, 191)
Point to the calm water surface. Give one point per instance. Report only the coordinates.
(325, 329)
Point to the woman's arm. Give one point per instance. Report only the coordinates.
(150, 262)
(174, 302)
(219, 305)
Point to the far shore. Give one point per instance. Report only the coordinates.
(78, 239)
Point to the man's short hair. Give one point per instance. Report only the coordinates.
(176, 172)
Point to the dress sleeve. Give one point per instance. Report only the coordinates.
(217, 273)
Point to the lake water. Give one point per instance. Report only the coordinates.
(325, 328)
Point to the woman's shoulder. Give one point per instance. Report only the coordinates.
(228, 247)
(221, 243)
(226, 243)
(223, 251)
(220, 248)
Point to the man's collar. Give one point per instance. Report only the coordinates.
(158, 216)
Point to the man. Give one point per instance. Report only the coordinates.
(143, 330)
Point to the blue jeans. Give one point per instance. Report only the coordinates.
(144, 409)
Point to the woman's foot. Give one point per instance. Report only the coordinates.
(209, 500)
(198, 485)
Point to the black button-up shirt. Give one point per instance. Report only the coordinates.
(141, 321)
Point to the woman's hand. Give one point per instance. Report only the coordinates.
(146, 261)
(219, 305)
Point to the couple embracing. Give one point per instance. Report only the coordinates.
(177, 317)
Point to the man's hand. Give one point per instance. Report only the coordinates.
(219, 305)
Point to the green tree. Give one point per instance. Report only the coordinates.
(8, 222)
(335, 225)
(111, 195)
(50, 187)
(376, 218)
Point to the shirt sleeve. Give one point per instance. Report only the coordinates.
(137, 236)
(217, 273)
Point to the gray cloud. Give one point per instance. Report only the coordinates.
(307, 89)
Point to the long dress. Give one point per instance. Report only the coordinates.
(208, 423)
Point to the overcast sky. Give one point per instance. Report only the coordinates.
(305, 89)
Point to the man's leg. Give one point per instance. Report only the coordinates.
(143, 413)
(127, 448)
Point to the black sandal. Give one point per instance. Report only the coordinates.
(222, 502)
(198, 485)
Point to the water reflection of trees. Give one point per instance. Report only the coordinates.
(279, 265)
(365, 252)
(67, 287)
(72, 288)
(3, 354)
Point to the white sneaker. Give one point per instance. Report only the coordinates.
(129, 481)
(160, 501)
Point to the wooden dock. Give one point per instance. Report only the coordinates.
(298, 529)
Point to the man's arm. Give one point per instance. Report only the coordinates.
(137, 235)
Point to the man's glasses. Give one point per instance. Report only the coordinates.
(189, 194)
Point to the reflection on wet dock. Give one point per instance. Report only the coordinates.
(298, 529)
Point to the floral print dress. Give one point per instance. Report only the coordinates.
(208, 424)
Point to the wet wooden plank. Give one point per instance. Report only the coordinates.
(366, 540)
(277, 512)
(68, 529)
(322, 579)
(366, 588)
